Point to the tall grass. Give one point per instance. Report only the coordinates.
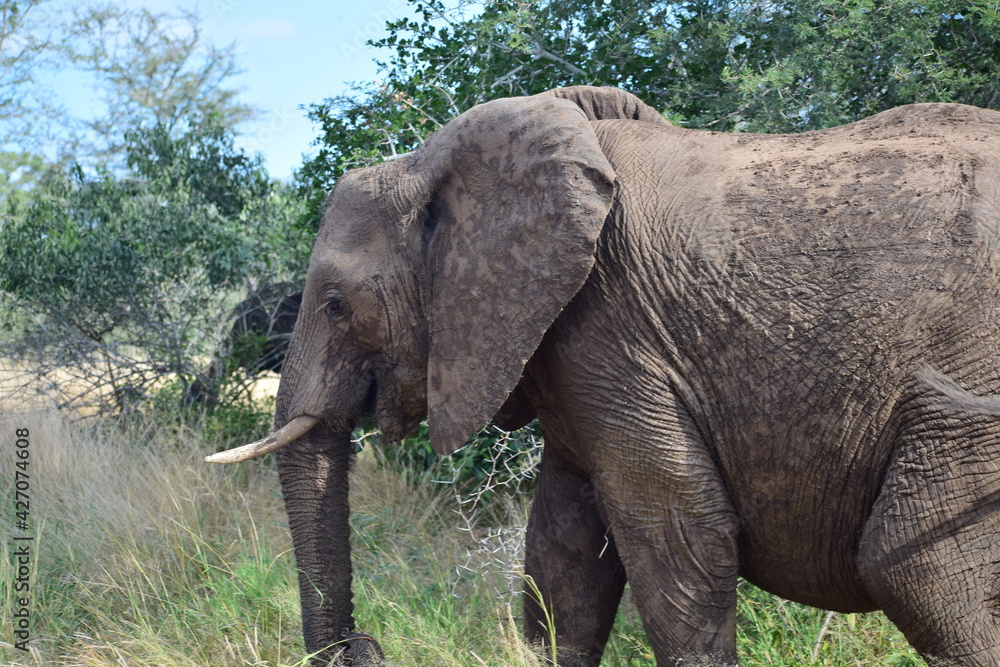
(148, 556)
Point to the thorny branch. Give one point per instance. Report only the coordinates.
(499, 548)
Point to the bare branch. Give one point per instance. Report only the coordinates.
(540, 52)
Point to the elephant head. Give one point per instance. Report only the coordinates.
(431, 283)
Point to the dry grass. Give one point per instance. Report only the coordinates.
(148, 556)
(132, 532)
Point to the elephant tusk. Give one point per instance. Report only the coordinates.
(286, 435)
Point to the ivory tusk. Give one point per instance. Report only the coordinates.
(286, 435)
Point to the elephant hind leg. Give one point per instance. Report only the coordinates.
(945, 605)
(929, 554)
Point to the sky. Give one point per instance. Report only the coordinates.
(294, 53)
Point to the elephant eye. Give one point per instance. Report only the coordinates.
(336, 307)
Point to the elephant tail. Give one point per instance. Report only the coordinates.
(953, 397)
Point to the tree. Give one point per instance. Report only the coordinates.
(154, 69)
(19, 172)
(725, 65)
(121, 261)
(25, 49)
(150, 68)
(125, 277)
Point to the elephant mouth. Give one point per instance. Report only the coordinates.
(370, 402)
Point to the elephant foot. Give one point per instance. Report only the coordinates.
(357, 649)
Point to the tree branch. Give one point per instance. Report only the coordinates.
(540, 52)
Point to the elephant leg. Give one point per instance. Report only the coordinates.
(571, 561)
(929, 554)
(676, 530)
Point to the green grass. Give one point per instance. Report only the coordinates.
(148, 556)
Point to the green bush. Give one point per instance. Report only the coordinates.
(233, 421)
(240, 421)
(128, 277)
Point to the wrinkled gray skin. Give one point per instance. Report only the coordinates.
(768, 356)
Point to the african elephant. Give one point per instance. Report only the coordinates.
(759, 355)
(257, 339)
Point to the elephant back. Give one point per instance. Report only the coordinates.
(607, 103)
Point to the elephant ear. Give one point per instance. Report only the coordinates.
(520, 191)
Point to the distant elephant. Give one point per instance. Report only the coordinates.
(256, 341)
(758, 355)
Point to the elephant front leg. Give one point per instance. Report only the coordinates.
(676, 530)
(572, 564)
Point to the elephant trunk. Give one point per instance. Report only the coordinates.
(314, 480)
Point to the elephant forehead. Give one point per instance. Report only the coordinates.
(352, 218)
(349, 236)
(334, 264)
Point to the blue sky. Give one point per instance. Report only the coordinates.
(294, 53)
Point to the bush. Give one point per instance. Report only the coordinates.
(129, 278)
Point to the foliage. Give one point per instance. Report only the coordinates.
(127, 276)
(124, 257)
(148, 68)
(19, 172)
(236, 420)
(153, 69)
(240, 420)
(719, 64)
